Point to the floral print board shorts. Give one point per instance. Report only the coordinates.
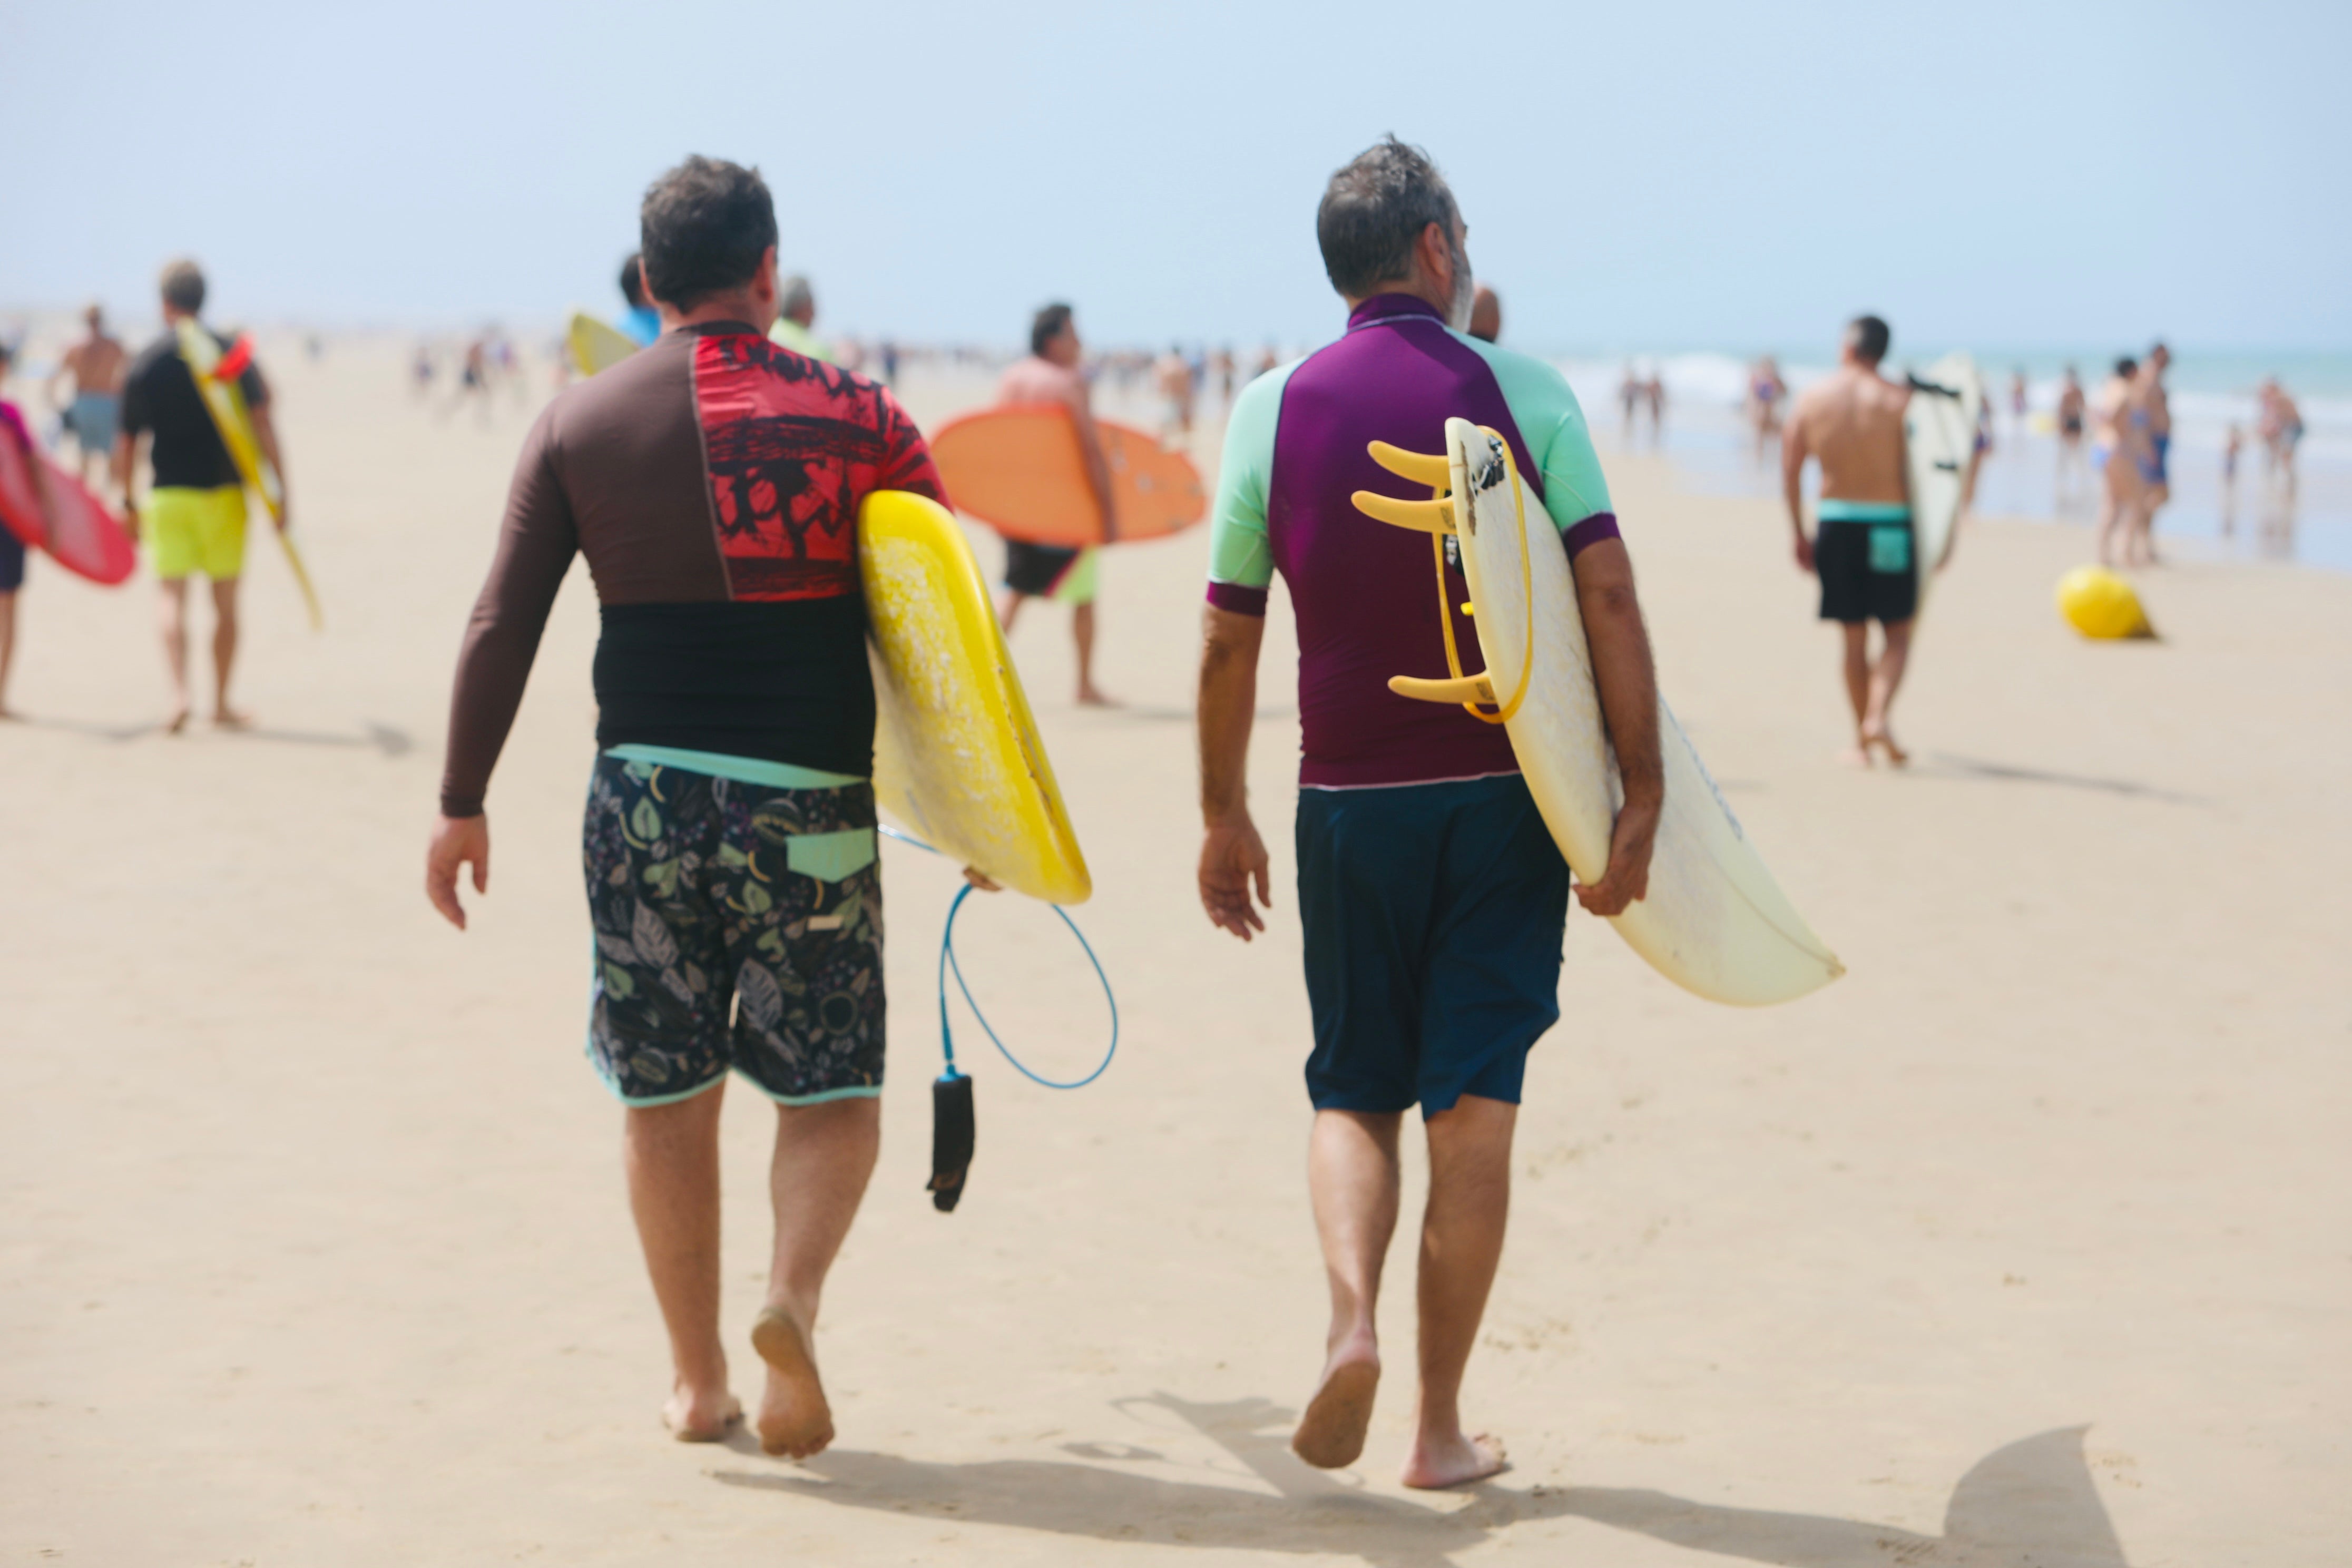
(737, 926)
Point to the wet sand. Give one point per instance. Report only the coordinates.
(2023, 1243)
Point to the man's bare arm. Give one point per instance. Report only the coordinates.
(126, 462)
(1629, 702)
(1233, 856)
(1090, 448)
(1793, 481)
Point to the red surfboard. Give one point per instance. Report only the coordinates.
(1020, 471)
(45, 506)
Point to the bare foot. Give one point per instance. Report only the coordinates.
(704, 1419)
(795, 1419)
(8, 713)
(1456, 1462)
(1884, 739)
(230, 719)
(1856, 755)
(1095, 697)
(177, 722)
(1331, 1433)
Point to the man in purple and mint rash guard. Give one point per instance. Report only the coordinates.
(1431, 898)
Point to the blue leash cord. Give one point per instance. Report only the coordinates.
(948, 966)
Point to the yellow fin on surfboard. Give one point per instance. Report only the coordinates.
(1466, 689)
(224, 399)
(956, 756)
(1422, 468)
(1432, 516)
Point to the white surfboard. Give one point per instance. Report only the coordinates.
(1939, 435)
(1714, 923)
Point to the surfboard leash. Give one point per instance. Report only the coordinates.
(953, 1125)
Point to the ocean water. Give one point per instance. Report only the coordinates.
(1709, 443)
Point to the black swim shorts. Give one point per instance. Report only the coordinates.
(737, 926)
(1866, 570)
(1036, 569)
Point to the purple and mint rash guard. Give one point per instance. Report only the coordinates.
(1296, 451)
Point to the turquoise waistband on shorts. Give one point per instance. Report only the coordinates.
(1833, 511)
(742, 770)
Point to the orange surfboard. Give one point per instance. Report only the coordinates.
(1020, 471)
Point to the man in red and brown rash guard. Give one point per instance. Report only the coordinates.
(713, 483)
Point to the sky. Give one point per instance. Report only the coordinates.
(1651, 177)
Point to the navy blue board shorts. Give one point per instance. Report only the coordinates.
(1434, 916)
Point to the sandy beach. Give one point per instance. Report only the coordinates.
(2024, 1243)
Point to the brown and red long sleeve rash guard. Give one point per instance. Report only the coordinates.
(713, 483)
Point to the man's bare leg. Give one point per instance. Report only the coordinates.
(1461, 1244)
(1008, 608)
(672, 1155)
(824, 1154)
(1351, 1175)
(175, 623)
(1082, 630)
(7, 647)
(1883, 681)
(224, 654)
(1857, 689)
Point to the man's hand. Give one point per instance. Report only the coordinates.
(1233, 857)
(1627, 879)
(456, 841)
(1804, 552)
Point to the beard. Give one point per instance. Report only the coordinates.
(1465, 288)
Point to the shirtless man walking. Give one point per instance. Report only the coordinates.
(1050, 377)
(2071, 406)
(95, 365)
(1850, 421)
(2148, 409)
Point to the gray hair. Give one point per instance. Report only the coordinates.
(1375, 210)
(798, 295)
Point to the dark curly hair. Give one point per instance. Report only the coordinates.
(704, 227)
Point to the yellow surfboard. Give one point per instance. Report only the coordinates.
(956, 756)
(594, 345)
(224, 401)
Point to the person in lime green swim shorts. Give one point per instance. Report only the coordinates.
(188, 532)
(193, 517)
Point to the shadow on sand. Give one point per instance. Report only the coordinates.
(2029, 1505)
(372, 736)
(1947, 765)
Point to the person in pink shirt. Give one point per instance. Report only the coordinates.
(1050, 376)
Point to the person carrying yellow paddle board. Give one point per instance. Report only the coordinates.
(714, 482)
(193, 519)
(1433, 898)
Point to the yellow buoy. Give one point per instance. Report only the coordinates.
(2100, 605)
